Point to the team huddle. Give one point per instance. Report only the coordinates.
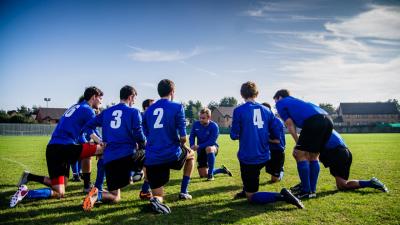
(149, 144)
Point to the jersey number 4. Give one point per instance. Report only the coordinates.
(257, 118)
(159, 112)
(116, 123)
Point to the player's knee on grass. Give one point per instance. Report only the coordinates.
(116, 196)
(249, 195)
(341, 183)
(203, 172)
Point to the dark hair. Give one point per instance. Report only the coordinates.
(146, 103)
(249, 90)
(282, 93)
(266, 104)
(126, 91)
(81, 99)
(90, 91)
(165, 87)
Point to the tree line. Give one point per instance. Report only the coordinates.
(192, 108)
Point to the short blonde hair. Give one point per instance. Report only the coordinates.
(206, 111)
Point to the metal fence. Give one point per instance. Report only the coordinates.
(23, 129)
(17, 129)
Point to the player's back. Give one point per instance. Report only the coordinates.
(334, 141)
(298, 110)
(68, 130)
(162, 122)
(122, 129)
(251, 124)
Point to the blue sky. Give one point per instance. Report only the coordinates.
(323, 51)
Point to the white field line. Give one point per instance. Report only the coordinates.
(25, 167)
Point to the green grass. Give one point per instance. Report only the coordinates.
(373, 155)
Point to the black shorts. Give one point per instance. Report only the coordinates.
(315, 133)
(338, 160)
(250, 174)
(118, 172)
(158, 175)
(59, 157)
(202, 157)
(274, 166)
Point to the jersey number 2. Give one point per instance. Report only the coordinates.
(257, 119)
(159, 112)
(116, 123)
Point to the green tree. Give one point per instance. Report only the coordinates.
(4, 117)
(328, 108)
(396, 102)
(228, 101)
(212, 105)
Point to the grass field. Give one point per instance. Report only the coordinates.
(373, 155)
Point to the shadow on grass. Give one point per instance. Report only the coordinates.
(209, 211)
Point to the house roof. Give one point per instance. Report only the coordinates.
(368, 108)
(50, 113)
(225, 111)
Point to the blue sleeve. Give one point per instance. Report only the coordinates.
(282, 110)
(137, 130)
(235, 129)
(90, 127)
(212, 140)
(275, 130)
(144, 125)
(192, 135)
(180, 122)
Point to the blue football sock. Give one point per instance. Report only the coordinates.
(303, 167)
(265, 197)
(100, 175)
(211, 162)
(39, 193)
(145, 187)
(99, 196)
(314, 172)
(185, 184)
(219, 170)
(74, 167)
(79, 166)
(365, 183)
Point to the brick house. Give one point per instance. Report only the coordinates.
(222, 116)
(367, 113)
(49, 115)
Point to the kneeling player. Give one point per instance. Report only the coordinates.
(338, 158)
(122, 129)
(207, 133)
(63, 150)
(251, 125)
(164, 126)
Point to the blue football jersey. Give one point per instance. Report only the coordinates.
(277, 132)
(298, 110)
(121, 128)
(206, 135)
(163, 123)
(335, 141)
(251, 125)
(68, 129)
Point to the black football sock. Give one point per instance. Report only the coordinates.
(36, 178)
(86, 180)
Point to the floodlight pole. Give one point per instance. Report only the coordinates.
(47, 101)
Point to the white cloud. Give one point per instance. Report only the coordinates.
(213, 74)
(381, 22)
(145, 55)
(349, 81)
(249, 70)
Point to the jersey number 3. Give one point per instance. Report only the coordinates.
(257, 119)
(159, 112)
(116, 123)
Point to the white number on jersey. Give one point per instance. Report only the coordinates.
(257, 119)
(159, 112)
(71, 110)
(116, 123)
